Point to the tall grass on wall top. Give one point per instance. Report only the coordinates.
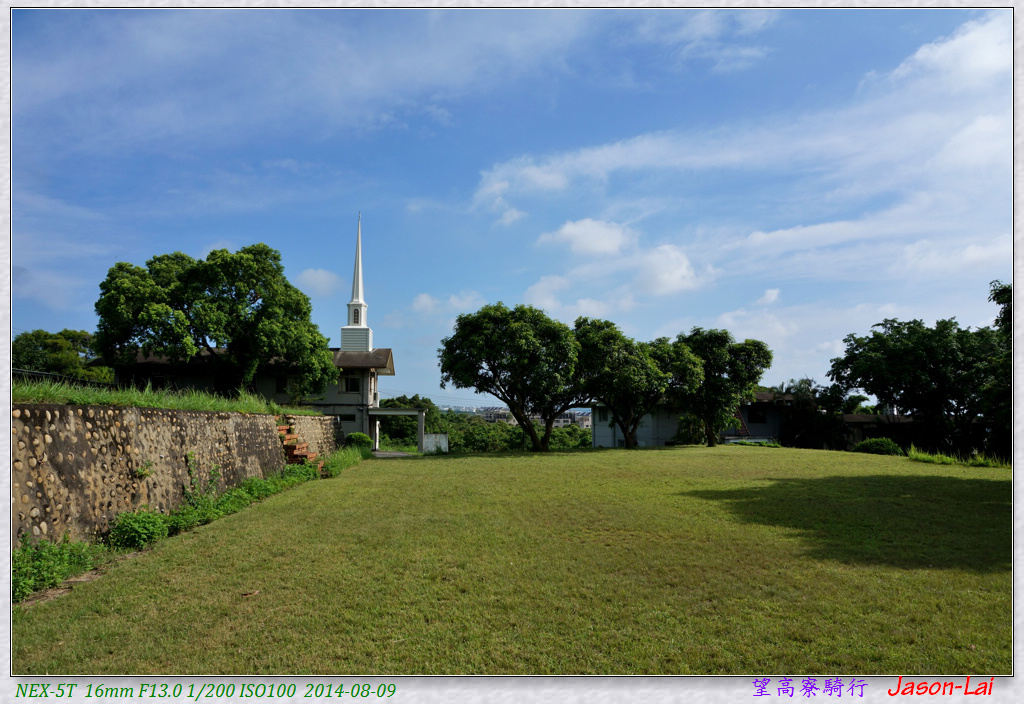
(47, 391)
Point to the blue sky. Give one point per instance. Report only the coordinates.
(790, 175)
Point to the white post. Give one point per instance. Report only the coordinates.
(420, 426)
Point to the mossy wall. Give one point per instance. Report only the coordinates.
(73, 468)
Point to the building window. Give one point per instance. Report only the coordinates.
(355, 316)
(602, 415)
(352, 384)
(347, 417)
(756, 415)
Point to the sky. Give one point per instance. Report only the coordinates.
(792, 176)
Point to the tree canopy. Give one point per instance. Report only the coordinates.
(518, 355)
(404, 427)
(66, 352)
(731, 370)
(935, 374)
(238, 306)
(997, 394)
(620, 373)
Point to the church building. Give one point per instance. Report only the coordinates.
(355, 398)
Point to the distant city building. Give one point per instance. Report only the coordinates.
(501, 414)
(497, 414)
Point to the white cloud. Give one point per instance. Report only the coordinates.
(978, 54)
(589, 236)
(465, 301)
(425, 303)
(544, 293)
(711, 35)
(510, 215)
(318, 282)
(770, 296)
(928, 258)
(980, 148)
(220, 76)
(906, 158)
(665, 269)
(462, 302)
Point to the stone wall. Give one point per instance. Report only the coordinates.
(75, 467)
(322, 433)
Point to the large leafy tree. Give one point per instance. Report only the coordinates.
(620, 373)
(238, 306)
(518, 355)
(935, 374)
(66, 352)
(731, 371)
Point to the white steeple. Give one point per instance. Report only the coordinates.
(356, 335)
(357, 274)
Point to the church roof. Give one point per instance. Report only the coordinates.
(380, 359)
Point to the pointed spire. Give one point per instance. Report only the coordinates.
(357, 274)
(356, 335)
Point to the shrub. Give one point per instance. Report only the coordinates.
(233, 501)
(183, 519)
(257, 487)
(200, 495)
(358, 440)
(878, 446)
(41, 565)
(343, 459)
(137, 529)
(302, 472)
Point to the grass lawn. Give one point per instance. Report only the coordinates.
(732, 560)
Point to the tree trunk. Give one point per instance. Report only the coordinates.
(546, 440)
(710, 435)
(527, 425)
(628, 432)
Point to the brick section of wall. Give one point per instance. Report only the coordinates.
(75, 467)
(323, 434)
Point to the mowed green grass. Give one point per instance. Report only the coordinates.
(732, 560)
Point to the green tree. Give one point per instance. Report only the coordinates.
(519, 355)
(66, 352)
(731, 371)
(1002, 295)
(935, 374)
(620, 373)
(571, 437)
(404, 427)
(238, 306)
(471, 433)
(997, 393)
(813, 414)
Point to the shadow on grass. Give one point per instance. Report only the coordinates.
(910, 522)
